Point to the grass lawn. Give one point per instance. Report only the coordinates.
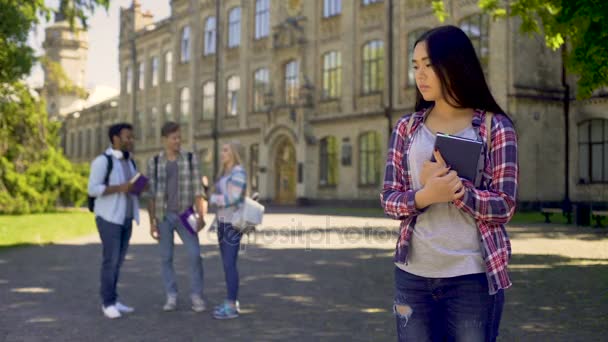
(39, 229)
(536, 217)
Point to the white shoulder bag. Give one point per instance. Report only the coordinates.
(248, 215)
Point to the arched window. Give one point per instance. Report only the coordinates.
(332, 75)
(261, 86)
(412, 37)
(232, 96)
(184, 106)
(373, 66)
(262, 18)
(185, 55)
(210, 27)
(291, 82)
(234, 27)
(477, 28)
(328, 161)
(369, 158)
(208, 100)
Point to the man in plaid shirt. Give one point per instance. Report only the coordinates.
(175, 186)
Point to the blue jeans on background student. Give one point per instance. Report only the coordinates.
(230, 242)
(115, 242)
(446, 309)
(170, 224)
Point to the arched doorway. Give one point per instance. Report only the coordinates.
(285, 181)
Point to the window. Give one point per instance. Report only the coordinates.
(152, 124)
(184, 106)
(138, 120)
(72, 145)
(89, 142)
(332, 75)
(168, 113)
(369, 159)
(476, 27)
(210, 31)
(206, 159)
(79, 146)
(261, 86)
(412, 37)
(185, 47)
(254, 155)
(234, 27)
(154, 71)
(291, 82)
(373, 66)
(168, 66)
(129, 80)
(328, 161)
(262, 18)
(369, 2)
(141, 75)
(232, 97)
(208, 100)
(100, 140)
(593, 151)
(331, 8)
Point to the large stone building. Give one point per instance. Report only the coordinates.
(67, 49)
(305, 87)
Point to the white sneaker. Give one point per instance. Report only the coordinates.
(123, 308)
(198, 304)
(171, 303)
(111, 312)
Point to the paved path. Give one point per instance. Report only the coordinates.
(304, 277)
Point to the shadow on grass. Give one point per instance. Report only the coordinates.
(556, 298)
(555, 231)
(22, 245)
(285, 294)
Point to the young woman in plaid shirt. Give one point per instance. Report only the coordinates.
(229, 193)
(452, 251)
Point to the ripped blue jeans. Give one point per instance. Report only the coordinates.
(446, 309)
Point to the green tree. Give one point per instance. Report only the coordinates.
(580, 24)
(35, 176)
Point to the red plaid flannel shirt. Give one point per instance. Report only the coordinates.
(491, 205)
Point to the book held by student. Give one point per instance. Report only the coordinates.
(138, 184)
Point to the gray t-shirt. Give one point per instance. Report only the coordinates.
(445, 241)
(172, 187)
(126, 170)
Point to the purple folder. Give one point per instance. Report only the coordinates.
(138, 184)
(189, 219)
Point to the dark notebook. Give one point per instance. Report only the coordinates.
(461, 154)
(138, 183)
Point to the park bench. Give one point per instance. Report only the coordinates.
(550, 211)
(598, 215)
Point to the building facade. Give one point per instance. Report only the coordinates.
(311, 90)
(68, 50)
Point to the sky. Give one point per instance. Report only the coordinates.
(102, 71)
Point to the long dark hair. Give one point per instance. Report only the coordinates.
(456, 64)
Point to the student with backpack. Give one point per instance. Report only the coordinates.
(453, 249)
(115, 209)
(174, 188)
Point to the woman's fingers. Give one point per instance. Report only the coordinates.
(460, 193)
(441, 172)
(439, 158)
(457, 187)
